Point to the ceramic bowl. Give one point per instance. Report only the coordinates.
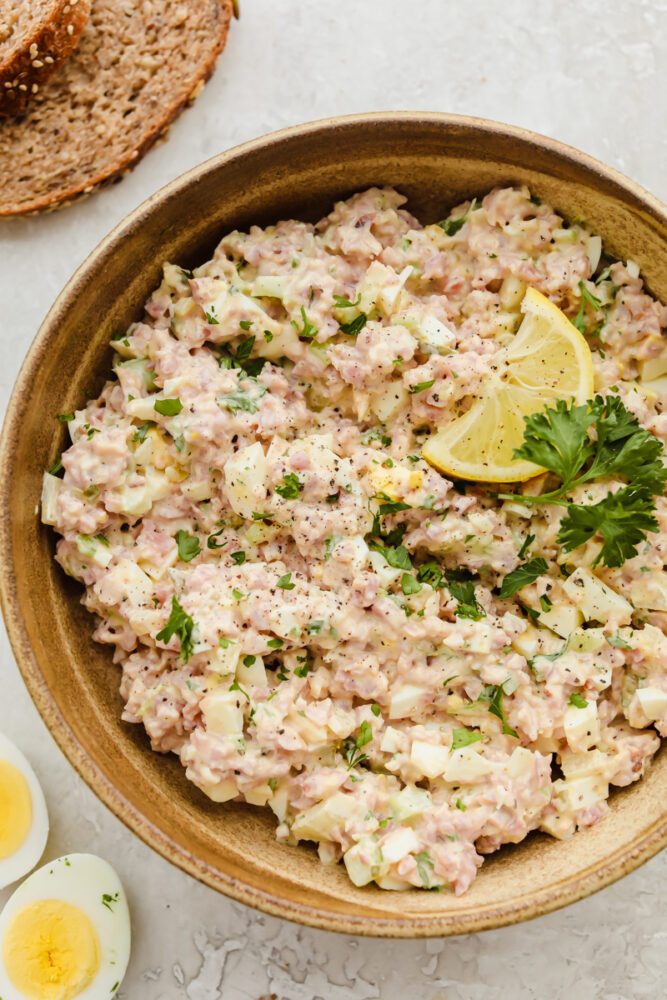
(436, 160)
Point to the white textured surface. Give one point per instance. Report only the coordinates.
(592, 74)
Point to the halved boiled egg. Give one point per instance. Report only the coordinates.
(24, 823)
(65, 933)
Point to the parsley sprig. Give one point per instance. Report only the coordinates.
(558, 439)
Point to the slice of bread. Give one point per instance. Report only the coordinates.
(137, 65)
(36, 36)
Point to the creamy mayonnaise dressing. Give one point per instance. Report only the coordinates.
(272, 560)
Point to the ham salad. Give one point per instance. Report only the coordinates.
(409, 669)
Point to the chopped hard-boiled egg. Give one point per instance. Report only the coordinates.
(581, 725)
(596, 600)
(65, 933)
(24, 823)
(653, 702)
(245, 479)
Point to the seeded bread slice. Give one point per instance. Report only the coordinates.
(36, 36)
(137, 65)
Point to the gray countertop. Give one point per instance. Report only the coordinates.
(592, 74)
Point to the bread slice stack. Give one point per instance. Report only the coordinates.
(137, 65)
(36, 36)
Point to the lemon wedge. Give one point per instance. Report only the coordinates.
(548, 359)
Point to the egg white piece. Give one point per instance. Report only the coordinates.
(89, 884)
(24, 858)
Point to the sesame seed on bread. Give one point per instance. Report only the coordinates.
(36, 36)
(137, 66)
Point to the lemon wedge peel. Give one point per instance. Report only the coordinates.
(548, 359)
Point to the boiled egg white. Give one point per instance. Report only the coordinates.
(24, 822)
(65, 933)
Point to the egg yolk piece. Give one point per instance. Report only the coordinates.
(15, 809)
(51, 951)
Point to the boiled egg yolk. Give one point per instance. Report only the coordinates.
(51, 950)
(15, 809)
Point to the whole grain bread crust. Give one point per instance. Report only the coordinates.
(44, 50)
(59, 92)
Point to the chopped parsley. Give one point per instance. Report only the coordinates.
(587, 298)
(211, 540)
(235, 686)
(244, 350)
(430, 572)
(464, 737)
(241, 399)
(303, 666)
(409, 585)
(355, 326)
(424, 862)
(463, 591)
(420, 386)
(238, 557)
(577, 700)
(108, 900)
(389, 506)
(291, 486)
(522, 576)
(452, 226)
(308, 330)
(353, 747)
(168, 407)
(397, 558)
(180, 624)
(376, 434)
(617, 641)
(140, 433)
(188, 546)
(342, 303)
(285, 582)
(493, 694)
(527, 542)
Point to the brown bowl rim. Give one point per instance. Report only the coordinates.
(543, 901)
